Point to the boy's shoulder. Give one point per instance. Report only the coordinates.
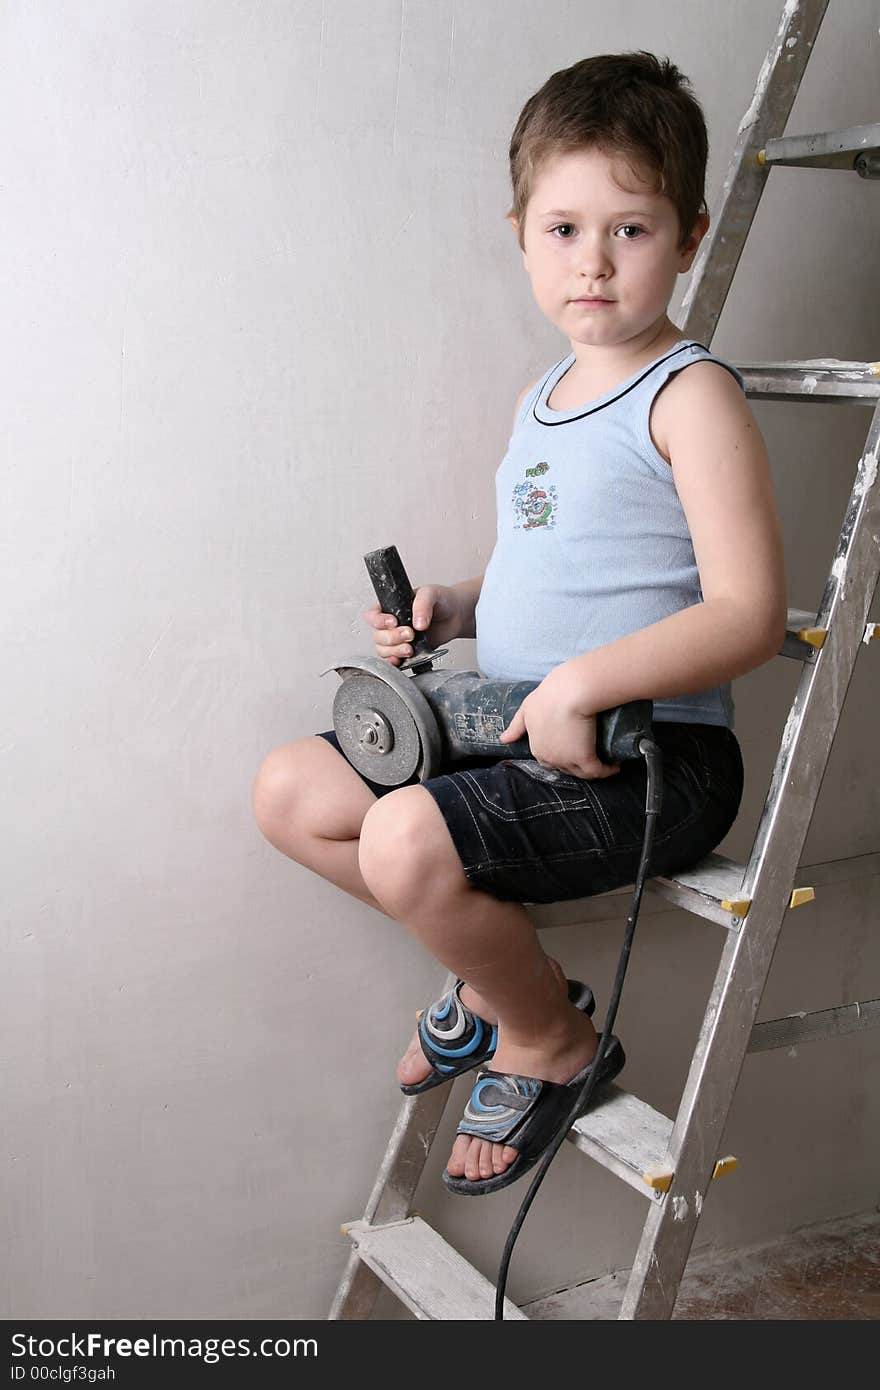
(700, 390)
(522, 395)
(702, 379)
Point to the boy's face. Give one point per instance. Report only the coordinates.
(603, 250)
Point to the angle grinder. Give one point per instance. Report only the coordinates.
(396, 722)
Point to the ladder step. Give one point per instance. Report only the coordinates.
(627, 1136)
(711, 889)
(856, 148)
(817, 379)
(824, 1023)
(803, 638)
(431, 1278)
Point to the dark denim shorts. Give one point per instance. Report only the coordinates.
(527, 833)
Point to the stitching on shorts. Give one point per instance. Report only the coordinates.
(615, 850)
(663, 839)
(460, 793)
(600, 811)
(598, 852)
(530, 812)
(590, 799)
(720, 781)
(501, 813)
(715, 783)
(489, 863)
(698, 814)
(685, 759)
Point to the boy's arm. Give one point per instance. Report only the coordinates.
(468, 590)
(719, 463)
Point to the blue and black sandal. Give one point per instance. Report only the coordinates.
(455, 1040)
(526, 1114)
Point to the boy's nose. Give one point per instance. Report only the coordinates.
(596, 267)
(594, 261)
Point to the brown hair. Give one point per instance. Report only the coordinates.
(632, 104)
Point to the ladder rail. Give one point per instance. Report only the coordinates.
(748, 952)
(393, 1191)
(776, 89)
(843, 611)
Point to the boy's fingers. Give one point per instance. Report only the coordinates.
(375, 617)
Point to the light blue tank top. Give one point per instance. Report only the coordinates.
(593, 543)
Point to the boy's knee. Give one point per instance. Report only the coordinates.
(275, 785)
(404, 844)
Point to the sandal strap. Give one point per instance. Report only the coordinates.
(500, 1102)
(449, 1031)
(525, 1111)
(454, 1039)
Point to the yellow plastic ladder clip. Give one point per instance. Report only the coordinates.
(660, 1179)
(724, 1165)
(800, 896)
(739, 906)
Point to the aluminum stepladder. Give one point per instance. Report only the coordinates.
(672, 1162)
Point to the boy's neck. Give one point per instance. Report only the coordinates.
(625, 358)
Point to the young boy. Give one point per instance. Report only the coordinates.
(638, 556)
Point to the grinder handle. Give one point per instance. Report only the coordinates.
(394, 591)
(618, 730)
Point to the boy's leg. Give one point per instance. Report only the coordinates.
(310, 804)
(410, 864)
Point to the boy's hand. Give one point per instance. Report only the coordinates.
(560, 734)
(435, 611)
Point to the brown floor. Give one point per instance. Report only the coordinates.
(828, 1272)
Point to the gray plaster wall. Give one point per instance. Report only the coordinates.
(262, 313)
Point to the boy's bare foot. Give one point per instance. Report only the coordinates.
(557, 1060)
(414, 1065)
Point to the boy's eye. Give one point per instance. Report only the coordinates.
(630, 231)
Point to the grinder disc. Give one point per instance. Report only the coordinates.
(384, 725)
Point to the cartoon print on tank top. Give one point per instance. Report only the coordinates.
(534, 503)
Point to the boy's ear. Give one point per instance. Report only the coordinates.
(514, 222)
(692, 244)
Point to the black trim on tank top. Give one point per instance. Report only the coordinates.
(592, 410)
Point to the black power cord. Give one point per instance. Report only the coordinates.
(653, 800)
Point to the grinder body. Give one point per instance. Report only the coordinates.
(394, 722)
